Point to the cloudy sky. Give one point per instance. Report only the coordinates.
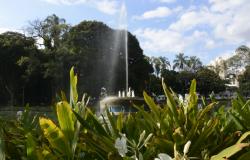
(204, 28)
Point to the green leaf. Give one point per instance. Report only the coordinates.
(65, 119)
(63, 96)
(192, 89)
(119, 122)
(55, 136)
(171, 103)
(96, 126)
(154, 108)
(112, 123)
(228, 152)
(73, 87)
(32, 152)
(244, 136)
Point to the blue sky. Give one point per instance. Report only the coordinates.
(205, 28)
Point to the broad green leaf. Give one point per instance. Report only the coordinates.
(55, 136)
(244, 136)
(171, 103)
(237, 121)
(208, 130)
(119, 122)
(203, 112)
(192, 100)
(192, 89)
(228, 152)
(65, 119)
(73, 89)
(112, 122)
(154, 108)
(97, 126)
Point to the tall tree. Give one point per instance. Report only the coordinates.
(244, 52)
(157, 65)
(244, 82)
(54, 63)
(180, 62)
(240, 60)
(50, 31)
(13, 46)
(208, 81)
(102, 58)
(165, 64)
(194, 63)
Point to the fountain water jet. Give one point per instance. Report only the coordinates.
(123, 27)
(125, 99)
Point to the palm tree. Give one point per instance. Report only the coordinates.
(194, 63)
(180, 61)
(157, 65)
(164, 63)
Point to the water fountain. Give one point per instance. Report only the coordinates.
(125, 99)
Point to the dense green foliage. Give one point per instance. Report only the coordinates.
(34, 66)
(179, 129)
(209, 81)
(102, 58)
(244, 82)
(96, 51)
(13, 48)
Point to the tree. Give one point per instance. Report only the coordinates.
(244, 52)
(165, 64)
(185, 78)
(244, 82)
(13, 47)
(208, 81)
(171, 78)
(194, 63)
(157, 65)
(55, 58)
(50, 30)
(180, 61)
(102, 58)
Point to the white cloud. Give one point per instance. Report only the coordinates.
(66, 2)
(159, 12)
(106, 6)
(167, 41)
(232, 25)
(200, 29)
(166, 1)
(210, 44)
(224, 5)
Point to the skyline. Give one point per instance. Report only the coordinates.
(206, 29)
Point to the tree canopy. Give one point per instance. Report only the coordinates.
(208, 81)
(32, 71)
(244, 82)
